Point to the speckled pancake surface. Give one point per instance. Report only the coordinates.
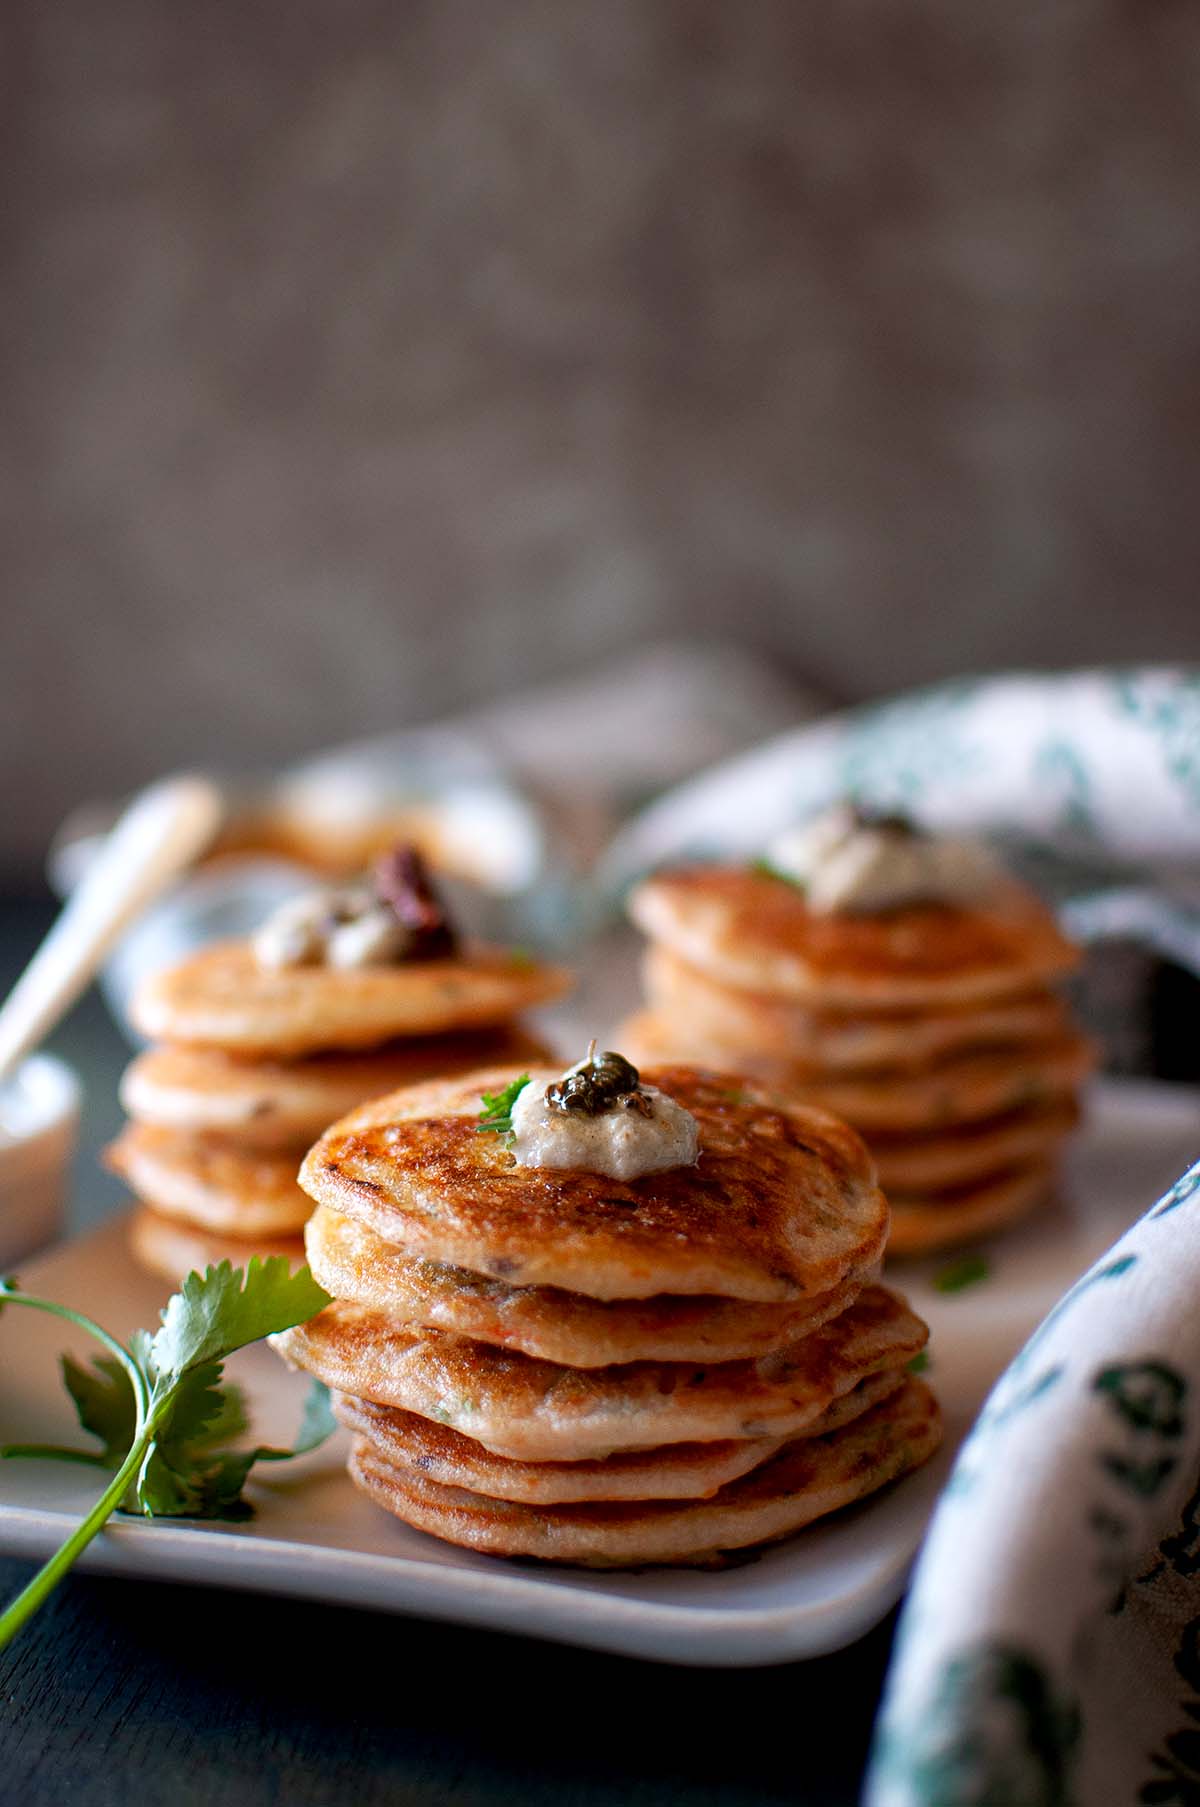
(703, 1012)
(203, 1183)
(972, 1152)
(804, 1482)
(681, 1471)
(782, 1203)
(221, 997)
(963, 1088)
(755, 932)
(352, 1263)
(540, 1411)
(924, 1225)
(165, 1246)
(285, 1104)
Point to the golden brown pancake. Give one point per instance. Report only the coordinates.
(703, 1012)
(963, 1088)
(805, 1481)
(975, 1151)
(285, 1104)
(937, 1221)
(352, 1263)
(221, 997)
(172, 1249)
(682, 1471)
(536, 1411)
(782, 1203)
(203, 1183)
(756, 933)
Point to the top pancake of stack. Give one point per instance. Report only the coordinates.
(756, 934)
(782, 1206)
(223, 998)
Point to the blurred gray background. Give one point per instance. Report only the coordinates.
(362, 361)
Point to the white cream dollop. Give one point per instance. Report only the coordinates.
(845, 863)
(345, 927)
(622, 1142)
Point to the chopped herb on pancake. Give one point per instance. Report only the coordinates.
(961, 1274)
(496, 1116)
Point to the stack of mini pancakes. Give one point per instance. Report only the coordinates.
(250, 1065)
(550, 1363)
(934, 1029)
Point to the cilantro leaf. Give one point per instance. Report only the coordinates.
(104, 1404)
(496, 1116)
(199, 1416)
(199, 1478)
(317, 1421)
(216, 1486)
(163, 1491)
(200, 1411)
(200, 1420)
(230, 1420)
(226, 1307)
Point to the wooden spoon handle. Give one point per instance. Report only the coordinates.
(163, 831)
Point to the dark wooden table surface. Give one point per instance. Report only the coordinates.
(126, 1692)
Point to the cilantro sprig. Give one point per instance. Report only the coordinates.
(165, 1423)
(496, 1116)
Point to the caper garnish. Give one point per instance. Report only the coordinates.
(598, 1083)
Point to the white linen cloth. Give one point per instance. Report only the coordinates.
(1049, 1651)
(1091, 778)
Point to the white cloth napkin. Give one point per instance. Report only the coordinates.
(1092, 777)
(1049, 1652)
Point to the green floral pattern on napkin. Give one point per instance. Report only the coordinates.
(1049, 1653)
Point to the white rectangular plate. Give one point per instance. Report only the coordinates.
(316, 1537)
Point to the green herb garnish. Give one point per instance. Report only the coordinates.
(495, 1119)
(959, 1274)
(164, 1421)
(919, 1362)
(765, 868)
